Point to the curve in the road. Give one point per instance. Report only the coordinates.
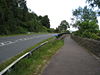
(11, 46)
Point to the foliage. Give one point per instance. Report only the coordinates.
(94, 3)
(89, 26)
(63, 26)
(51, 30)
(15, 18)
(68, 32)
(98, 33)
(88, 30)
(45, 21)
(86, 23)
(90, 35)
(84, 14)
(87, 35)
(33, 65)
(57, 30)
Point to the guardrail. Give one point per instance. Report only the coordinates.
(20, 58)
(60, 34)
(25, 55)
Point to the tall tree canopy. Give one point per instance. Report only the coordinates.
(86, 22)
(95, 3)
(45, 21)
(84, 14)
(63, 26)
(15, 18)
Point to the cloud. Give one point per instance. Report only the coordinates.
(57, 10)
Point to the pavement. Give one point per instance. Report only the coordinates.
(13, 45)
(72, 59)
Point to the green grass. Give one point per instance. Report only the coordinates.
(9, 61)
(33, 65)
(23, 34)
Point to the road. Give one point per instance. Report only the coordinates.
(11, 46)
(72, 59)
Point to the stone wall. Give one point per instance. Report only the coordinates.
(90, 44)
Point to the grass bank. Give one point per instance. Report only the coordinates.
(34, 64)
(32, 33)
(9, 61)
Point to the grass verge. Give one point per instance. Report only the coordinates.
(23, 34)
(34, 64)
(9, 61)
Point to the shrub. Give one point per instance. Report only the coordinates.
(68, 32)
(90, 35)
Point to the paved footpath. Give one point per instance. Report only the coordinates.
(72, 59)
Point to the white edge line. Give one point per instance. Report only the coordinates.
(7, 68)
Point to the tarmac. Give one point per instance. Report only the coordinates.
(72, 59)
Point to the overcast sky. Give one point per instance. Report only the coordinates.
(57, 10)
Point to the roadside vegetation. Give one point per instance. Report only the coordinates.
(63, 27)
(34, 64)
(85, 20)
(28, 33)
(9, 61)
(16, 18)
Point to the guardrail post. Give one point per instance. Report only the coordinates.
(8, 68)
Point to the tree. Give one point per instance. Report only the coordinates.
(63, 26)
(45, 21)
(95, 3)
(15, 18)
(89, 26)
(84, 14)
(86, 22)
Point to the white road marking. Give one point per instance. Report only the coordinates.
(2, 44)
(6, 43)
(18, 40)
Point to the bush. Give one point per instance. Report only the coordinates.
(87, 34)
(68, 32)
(77, 33)
(98, 33)
(51, 30)
(88, 29)
(90, 35)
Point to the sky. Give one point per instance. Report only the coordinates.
(57, 10)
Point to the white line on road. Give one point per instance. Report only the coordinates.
(18, 40)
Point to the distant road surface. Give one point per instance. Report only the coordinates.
(11, 46)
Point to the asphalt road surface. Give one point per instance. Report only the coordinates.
(72, 59)
(11, 46)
